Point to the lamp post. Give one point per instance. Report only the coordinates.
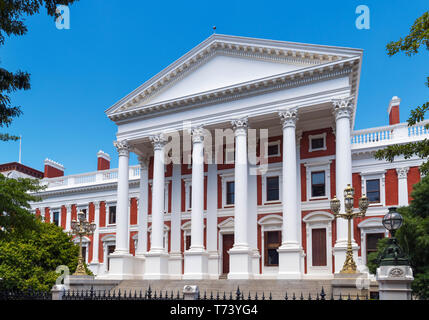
(393, 254)
(80, 228)
(349, 265)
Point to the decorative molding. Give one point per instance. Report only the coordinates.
(52, 163)
(343, 107)
(104, 155)
(158, 141)
(289, 117)
(402, 172)
(123, 147)
(197, 134)
(144, 161)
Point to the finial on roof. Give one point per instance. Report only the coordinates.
(214, 29)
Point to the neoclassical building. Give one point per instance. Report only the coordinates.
(241, 144)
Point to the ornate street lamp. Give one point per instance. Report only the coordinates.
(393, 254)
(349, 265)
(80, 228)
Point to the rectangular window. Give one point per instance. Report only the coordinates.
(112, 215)
(84, 253)
(371, 242)
(318, 239)
(190, 196)
(373, 190)
(272, 241)
(272, 188)
(188, 242)
(110, 250)
(318, 184)
(230, 192)
(317, 143)
(273, 149)
(56, 218)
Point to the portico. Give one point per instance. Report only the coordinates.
(230, 85)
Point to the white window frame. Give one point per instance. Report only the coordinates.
(188, 185)
(80, 207)
(108, 240)
(85, 244)
(315, 167)
(273, 143)
(381, 175)
(227, 177)
(107, 206)
(319, 220)
(316, 136)
(165, 237)
(55, 209)
(272, 172)
(166, 188)
(272, 222)
(368, 226)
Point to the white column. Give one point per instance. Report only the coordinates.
(196, 256)
(253, 219)
(121, 261)
(343, 110)
(290, 252)
(175, 259)
(212, 230)
(240, 256)
(122, 200)
(157, 259)
(68, 217)
(94, 265)
(402, 186)
(142, 216)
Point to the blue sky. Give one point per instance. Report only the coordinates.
(113, 46)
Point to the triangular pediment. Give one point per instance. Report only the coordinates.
(224, 62)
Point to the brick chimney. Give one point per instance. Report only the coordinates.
(53, 169)
(103, 161)
(393, 110)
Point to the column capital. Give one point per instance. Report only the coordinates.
(158, 141)
(96, 204)
(288, 117)
(240, 125)
(402, 172)
(143, 161)
(343, 107)
(123, 147)
(197, 134)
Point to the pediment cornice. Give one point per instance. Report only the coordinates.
(312, 58)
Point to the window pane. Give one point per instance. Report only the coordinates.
(273, 149)
(317, 143)
(272, 243)
(56, 218)
(230, 192)
(273, 257)
(373, 190)
(112, 215)
(273, 188)
(318, 184)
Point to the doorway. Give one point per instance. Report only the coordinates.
(227, 243)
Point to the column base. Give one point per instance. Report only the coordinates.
(256, 262)
(240, 263)
(339, 251)
(175, 265)
(156, 265)
(121, 266)
(290, 261)
(139, 265)
(213, 265)
(196, 264)
(94, 267)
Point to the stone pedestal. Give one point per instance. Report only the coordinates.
(213, 265)
(196, 264)
(190, 292)
(156, 267)
(139, 265)
(175, 265)
(290, 262)
(255, 263)
(394, 282)
(240, 263)
(58, 291)
(340, 251)
(121, 266)
(350, 283)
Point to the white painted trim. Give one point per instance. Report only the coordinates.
(316, 136)
(314, 167)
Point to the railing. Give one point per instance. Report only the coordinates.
(24, 295)
(237, 295)
(90, 178)
(398, 133)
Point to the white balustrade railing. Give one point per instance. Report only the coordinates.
(398, 133)
(89, 178)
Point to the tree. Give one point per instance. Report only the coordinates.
(413, 238)
(12, 14)
(30, 261)
(410, 45)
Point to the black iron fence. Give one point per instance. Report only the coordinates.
(170, 295)
(29, 294)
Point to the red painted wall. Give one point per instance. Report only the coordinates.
(47, 215)
(391, 185)
(330, 144)
(51, 172)
(412, 178)
(63, 217)
(133, 211)
(394, 115)
(103, 164)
